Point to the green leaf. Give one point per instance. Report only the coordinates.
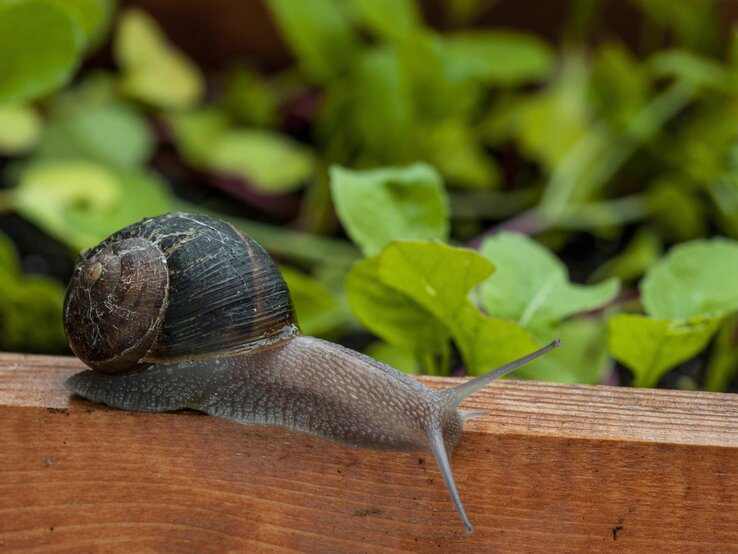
(531, 285)
(549, 123)
(582, 357)
(269, 161)
(694, 279)
(111, 134)
(39, 49)
(92, 16)
(30, 307)
(689, 67)
(497, 57)
(249, 97)
(381, 112)
(619, 85)
(391, 315)
(318, 310)
(81, 203)
(391, 19)
(153, 70)
(319, 35)
(195, 131)
(457, 153)
(393, 356)
(650, 347)
(379, 205)
(20, 128)
(439, 278)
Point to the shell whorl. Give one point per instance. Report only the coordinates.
(171, 288)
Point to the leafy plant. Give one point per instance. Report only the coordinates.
(497, 189)
(686, 296)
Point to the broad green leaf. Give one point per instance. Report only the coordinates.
(92, 16)
(651, 347)
(20, 128)
(195, 131)
(497, 57)
(379, 205)
(153, 70)
(30, 307)
(319, 35)
(111, 134)
(39, 49)
(269, 161)
(694, 279)
(94, 90)
(391, 19)
(318, 310)
(440, 278)
(391, 315)
(398, 358)
(80, 202)
(581, 358)
(531, 285)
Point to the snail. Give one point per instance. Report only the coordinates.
(185, 311)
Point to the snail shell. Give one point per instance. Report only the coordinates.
(185, 311)
(176, 287)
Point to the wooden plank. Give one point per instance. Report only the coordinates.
(552, 468)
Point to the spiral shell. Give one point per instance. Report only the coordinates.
(171, 288)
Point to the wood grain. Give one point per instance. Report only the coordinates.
(553, 468)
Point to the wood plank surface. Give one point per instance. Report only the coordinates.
(553, 468)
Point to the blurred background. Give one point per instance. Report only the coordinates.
(605, 130)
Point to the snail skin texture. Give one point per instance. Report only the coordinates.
(184, 311)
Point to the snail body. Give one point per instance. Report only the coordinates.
(184, 311)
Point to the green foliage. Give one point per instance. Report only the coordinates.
(112, 134)
(696, 278)
(650, 347)
(531, 285)
(686, 295)
(82, 202)
(319, 34)
(91, 16)
(319, 311)
(380, 205)
(30, 307)
(270, 162)
(414, 296)
(40, 46)
(20, 128)
(419, 140)
(152, 70)
(581, 358)
(498, 57)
